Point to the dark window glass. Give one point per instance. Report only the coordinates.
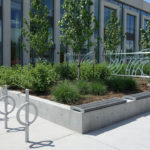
(107, 14)
(1, 48)
(50, 6)
(145, 24)
(49, 56)
(16, 25)
(130, 33)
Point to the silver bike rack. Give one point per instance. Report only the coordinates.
(27, 122)
(7, 100)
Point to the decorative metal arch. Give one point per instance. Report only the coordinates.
(129, 64)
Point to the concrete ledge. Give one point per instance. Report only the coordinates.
(83, 122)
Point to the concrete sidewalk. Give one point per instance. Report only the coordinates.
(133, 134)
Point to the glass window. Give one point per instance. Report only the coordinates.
(130, 33)
(16, 25)
(1, 47)
(145, 24)
(49, 56)
(107, 14)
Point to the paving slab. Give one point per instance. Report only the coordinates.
(132, 134)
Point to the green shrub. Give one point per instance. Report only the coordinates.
(102, 72)
(94, 72)
(83, 86)
(121, 84)
(44, 77)
(66, 71)
(130, 84)
(146, 69)
(97, 88)
(17, 77)
(66, 92)
(5, 72)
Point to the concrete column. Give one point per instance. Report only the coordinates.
(7, 32)
(56, 31)
(92, 38)
(26, 54)
(101, 29)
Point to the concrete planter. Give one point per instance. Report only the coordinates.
(79, 121)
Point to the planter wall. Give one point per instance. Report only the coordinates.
(83, 122)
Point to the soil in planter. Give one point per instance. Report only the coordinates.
(142, 86)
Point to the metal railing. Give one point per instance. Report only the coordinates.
(132, 64)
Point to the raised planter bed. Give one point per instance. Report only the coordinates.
(85, 121)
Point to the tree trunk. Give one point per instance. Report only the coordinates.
(79, 66)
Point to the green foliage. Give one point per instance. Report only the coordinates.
(66, 92)
(5, 71)
(113, 33)
(98, 88)
(16, 77)
(145, 36)
(76, 26)
(44, 77)
(36, 32)
(66, 71)
(121, 84)
(83, 86)
(94, 72)
(75, 23)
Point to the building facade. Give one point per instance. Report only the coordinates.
(133, 15)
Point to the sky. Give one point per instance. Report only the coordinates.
(147, 1)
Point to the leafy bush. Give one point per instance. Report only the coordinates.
(16, 77)
(101, 72)
(146, 69)
(5, 72)
(66, 92)
(94, 72)
(121, 84)
(44, 77)
(66, 71)
(98, 88)
(83, 86)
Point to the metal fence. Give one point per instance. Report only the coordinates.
(135, 64)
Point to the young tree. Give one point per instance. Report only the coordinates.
(113, 33)
(76, 26)
(145, 36)
(36, 31)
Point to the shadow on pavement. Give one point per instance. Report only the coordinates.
(15, 129)
(114, 126)
(1, 119)
(41, 144)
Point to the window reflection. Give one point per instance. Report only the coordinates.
(130, 33)
(107, 14)
(145, 24)
(49, 56)
(16, 25)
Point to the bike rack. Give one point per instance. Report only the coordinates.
(6, 100)
(27, 123)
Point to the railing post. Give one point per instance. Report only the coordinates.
(27, 117)
(27, 122)
(6, 105)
